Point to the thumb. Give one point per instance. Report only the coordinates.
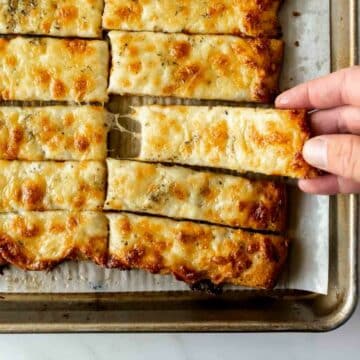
(336, 154)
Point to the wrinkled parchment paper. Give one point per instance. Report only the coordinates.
(307, 56)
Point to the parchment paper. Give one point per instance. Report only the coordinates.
(307, 56)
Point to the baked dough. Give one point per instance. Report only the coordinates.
(256, 18)
(78, 18)
(265, 141)
(41, 240)
(53, 133)
(194, 252)
(195, 66)
(53, 69)
(179, 192)
(52, 185)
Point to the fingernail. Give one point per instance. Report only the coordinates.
(282, 100)
(315, 153)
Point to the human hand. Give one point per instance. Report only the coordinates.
(336, 125)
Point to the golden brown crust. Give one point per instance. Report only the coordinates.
(52, 185)
(193, 252)
(255, 18)
(78, 18)
(40, 241)
(265, 141)
(53, 69)
(195, 66)
(179, 192)
(53, 133)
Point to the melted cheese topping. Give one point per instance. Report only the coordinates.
(53, 133)
(195, 252)
(39, 241)
(242, 17)
(243, 139)
(80, 18)
(201, 67)
(53, 69)
(183, 193)
(51, 185)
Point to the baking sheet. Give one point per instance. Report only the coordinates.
(307, 56)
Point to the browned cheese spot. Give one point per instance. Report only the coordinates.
(59, 89)
(216, 9)
(69, 119)
(180, 50)
(11, 60)
(129, 13)
(81, 87)
(67, 14)
(271, 252)
(135, 67)
(16, 136)
(183, 273)
(77, 46)
(124, 226)
(81, 143)
(32, 195)
(178, 191)
(188, 74)
(72, 223)
(57, 228)
(42, 77)
(26, 230)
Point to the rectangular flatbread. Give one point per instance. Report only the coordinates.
(53, 69)
(41, 240)
(264, 141)
(179, 192)
(195, 252)
(52, 185)
(255, 18)
(53, 133)
(76, 18)
(195, 66)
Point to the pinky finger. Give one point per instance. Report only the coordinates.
(329, 185)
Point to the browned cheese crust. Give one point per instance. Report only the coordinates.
(78, 18)
(53, 69)
(195, 66)
(50, 185)
(266, 141)
(40, 241)
(53, 133)
(179, 192)
(255, 18)
(194, 252)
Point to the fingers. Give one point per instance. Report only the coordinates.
(341, 120)
(336, 97)
(329, 185)
(334, 90)
(336, 154)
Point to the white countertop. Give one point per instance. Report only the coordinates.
(343, 343)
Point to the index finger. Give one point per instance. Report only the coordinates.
(337, 89)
